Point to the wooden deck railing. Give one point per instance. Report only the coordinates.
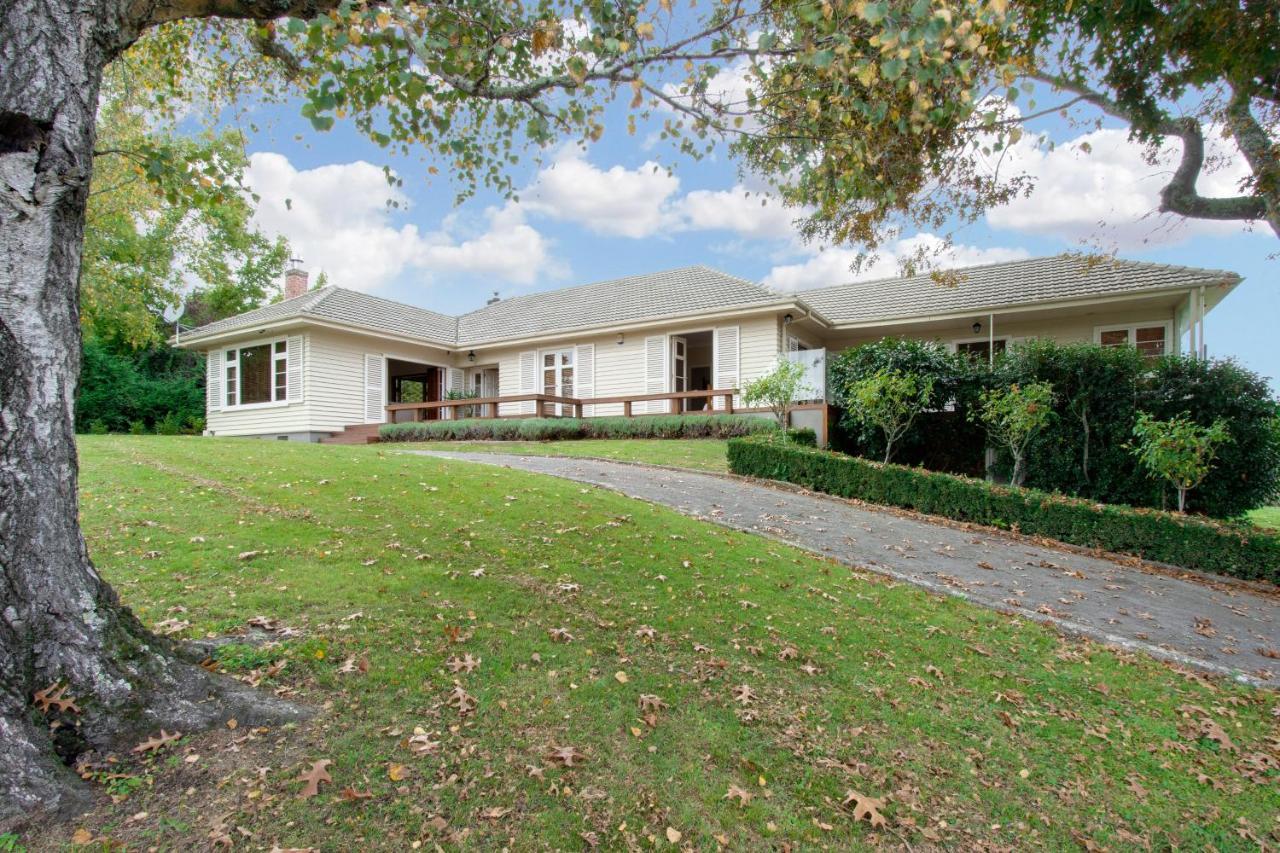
(544, 405)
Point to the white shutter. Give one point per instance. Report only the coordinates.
(293, 369)
(454, 380)
(584, 373)
(375, 388)
(724, 367)
(528, 379)
(213, 384)
(655, 373)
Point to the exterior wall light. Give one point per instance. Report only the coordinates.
(620, 338)
(977, 327)
(471, 356)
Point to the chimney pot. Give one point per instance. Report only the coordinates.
(295, 280)
(493, 300)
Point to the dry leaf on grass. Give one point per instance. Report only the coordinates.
(351, 795)
(865, 808)
(560, 635)
(421, 743)
(318, 774)
(674, 835)
(650, 702)
(462, 700)
(565, 756)
(743, 694)
(152, 744)
(742, 795)
(466, 663)
(397, 772)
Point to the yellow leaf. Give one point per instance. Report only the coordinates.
(673, 835)
(82, 836)
(621, 677)
(397, 772)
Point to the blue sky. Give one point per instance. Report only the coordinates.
(612, 211)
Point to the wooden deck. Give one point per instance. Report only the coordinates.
(489, 407)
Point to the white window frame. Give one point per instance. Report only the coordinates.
(1132, 329)
(562, 409)
(239, 380)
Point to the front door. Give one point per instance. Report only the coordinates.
(557, 378)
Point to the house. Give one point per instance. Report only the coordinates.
(337, 362)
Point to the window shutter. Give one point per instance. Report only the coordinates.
(528, 379)
(454, 380)
(655, 372)
(584, 374)
(724, 369)
(293, 374)
(213, 384)
(375, 389)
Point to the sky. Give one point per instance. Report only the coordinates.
(616, 209)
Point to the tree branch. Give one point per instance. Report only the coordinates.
(1179, 195)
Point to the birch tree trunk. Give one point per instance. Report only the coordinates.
(60, 623)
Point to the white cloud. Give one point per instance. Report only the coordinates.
(336, 219)
(1099, 187)
(743, 211)
(832, 266)
(616, 201)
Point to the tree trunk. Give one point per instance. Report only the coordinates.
(60, 623)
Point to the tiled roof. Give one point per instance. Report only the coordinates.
(348, 307)
(641, 297)
(1027, 282)
(698, 289)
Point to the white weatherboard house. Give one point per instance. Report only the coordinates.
(335, 363)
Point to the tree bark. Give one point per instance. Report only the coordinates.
(60, 623)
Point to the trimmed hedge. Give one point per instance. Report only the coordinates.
(558, 429)
(1193, 542)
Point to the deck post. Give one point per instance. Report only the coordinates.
(728, 404)
(626, 408)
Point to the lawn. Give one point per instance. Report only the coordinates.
(708, 687)
(703, 454)
(1267, 516)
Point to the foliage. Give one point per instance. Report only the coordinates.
(1098, 392)
(1196, 543)
(942, 438)
(1247, 472)
(803, 436)
(559, 429)
(122, 389)
(154, 231)
(1013, 416)
(890, 400)
(778, 389)
(1178, 450)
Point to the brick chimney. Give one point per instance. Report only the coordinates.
(295, 279)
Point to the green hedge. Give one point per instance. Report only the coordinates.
(557, 429)
(1190, 541)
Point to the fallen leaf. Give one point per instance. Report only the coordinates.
(462, 700)
(565, 756)
(397, 772)
(351, 795)
(743, 694)
(466, 663)
(620, 677)
(314, 777)
(864, 808)
(54, 696)
(560, 635)
(673, 835)
(742, 795)
(154, 743)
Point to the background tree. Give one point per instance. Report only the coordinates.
(890, 401)
(1178, 450)
(1013, 416)
(778, 389)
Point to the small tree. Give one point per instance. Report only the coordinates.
(1013, 416)
(1178, 450)
(889, 400)
(778, 389)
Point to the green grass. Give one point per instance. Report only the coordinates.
(1267, 516)
(978, 729)
(703, 454)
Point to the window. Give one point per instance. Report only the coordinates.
(257, 375)
(1150, 339)
(979, 349)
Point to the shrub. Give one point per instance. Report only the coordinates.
(1014, 416)
(803, 436)
(119, 386)
(1197, 543)
(1178, 450)
(890, 400)
(556, 429)
(778, 389)
(1247, 472)
(169, 424)
(942, 438)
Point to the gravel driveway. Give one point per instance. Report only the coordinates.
(1219, 626)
